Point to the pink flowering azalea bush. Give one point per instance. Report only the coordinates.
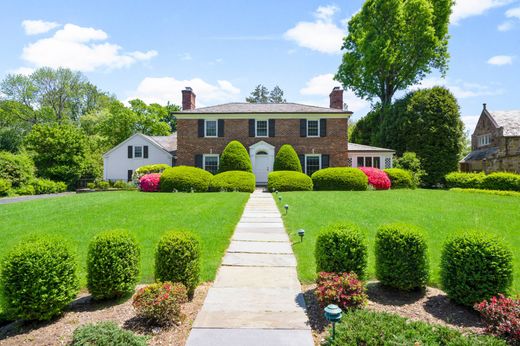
(343, 289)
(377, 178)
(150, 182)
(160, 303)
(502, 316)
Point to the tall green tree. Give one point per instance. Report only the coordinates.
(276, 95)
(393, 44)
(15, 123)
(261, 94)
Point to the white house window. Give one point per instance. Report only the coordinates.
(210, 128)
(138, 151)
(313, 128)
(262, 129)
(369, 161)
(484, 140)
(210, 163)
(312, 163)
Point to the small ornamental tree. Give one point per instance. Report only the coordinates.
(377, 178)
(287, 160)
(235, 158)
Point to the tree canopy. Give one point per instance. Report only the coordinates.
(262, 95)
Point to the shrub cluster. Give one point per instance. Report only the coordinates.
(464, 180)
(44, 186)
(502, 181)
(150, 182)
(401, 257)
(400, 178)
(177, 259)
(475, 267)
(502, 316)
(102, 185)
(341, 248)
(376, 178)
(112, 264)
(106, 333)
(184, 179)
(155, 168)
(233, 181)
(17, 168)
(345, 290)
(39, 278)
(287, 160)
(160, 303)
(235, 158)
(5, 187)
(289, 181)
(25, 190)
(340, 178)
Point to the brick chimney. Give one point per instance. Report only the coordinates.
(336, 98)
(188, 99)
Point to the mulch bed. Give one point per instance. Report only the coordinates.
(431, 305)
(83, 310)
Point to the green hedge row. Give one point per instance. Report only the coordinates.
(494, 181)
(288, 181)
(233, 181)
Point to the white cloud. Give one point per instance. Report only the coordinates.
(322, 35)
(459, 88)
(74, 47)
(35, 27)
(469, 8)
(513, 13)
(500, 60)
(506, 26)
(470, 122)
(164, 89)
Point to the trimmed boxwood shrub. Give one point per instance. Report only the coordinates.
(341, 248)
(401, 257)
(474, 267)
(5, 186)
(17, 168)
(177, 259)
(39, 278)
(112, 264)
(235, 158)
(233, 181)
(106, 333)
(287, 160)
(340, 178)
(289, 181)
(501, 181)
(44, 186)
(464, 180)
(400, 178)
(185, 179)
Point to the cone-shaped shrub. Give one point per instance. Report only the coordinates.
(235, 158)
(287, 160)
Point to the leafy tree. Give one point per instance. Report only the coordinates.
(150, 118)
(262, 95)
(410, 162)
(13, 124)
(276, 95)
(366, 130)
(393, 44)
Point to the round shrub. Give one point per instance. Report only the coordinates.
(235, 158)
(150, 182)
(341, 248)
(376, 178)
(160, 303)
(288, 181)
(233, 181)
(464, 180)
(184, 179)
(25, 190)
(474, 267)
(147, 169)
(401, 257)
(340, 178)
(39, 278)
(177, 259)
(5, 186)
(112, 264)
(345, 290)
(501, 181)
(45, 186)
(17, 168)
(106, 333)
(287, 160)
(400, 178)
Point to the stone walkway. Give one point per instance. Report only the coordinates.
(256, 298)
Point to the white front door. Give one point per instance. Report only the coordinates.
(262, 166)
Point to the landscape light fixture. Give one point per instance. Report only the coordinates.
(333, 314)
(286, 208)
(301, 233)
(280, 198)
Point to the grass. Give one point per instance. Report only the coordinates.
(441, 213)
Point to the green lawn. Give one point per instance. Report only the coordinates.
(212, 216)
(441, 213)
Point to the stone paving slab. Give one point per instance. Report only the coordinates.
(271, 230)
(255, 236)
(260, 225)
(260, 247)
(260, 215)
(277, 220)
(250, 337)
(259, 319)
(261, 277)
(259, 260)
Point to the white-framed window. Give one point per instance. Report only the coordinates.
(261, 128)
(210, 163)
(313, 128)
(210, 128)
(138, 151)
(369, 161)
(312, 163)
(484, 140)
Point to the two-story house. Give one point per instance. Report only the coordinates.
(495, 143)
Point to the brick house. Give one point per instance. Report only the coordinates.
(495, 143)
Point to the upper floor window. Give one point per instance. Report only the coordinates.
(262, 128)
(210, 163)
(484, 140)
(313, 128)
(210, 128)
(138, 151)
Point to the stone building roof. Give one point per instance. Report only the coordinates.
(480, 154)
(508, 120)
(245, 107)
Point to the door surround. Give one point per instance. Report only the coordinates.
(262, 147)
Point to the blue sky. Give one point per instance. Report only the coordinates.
(222, 49)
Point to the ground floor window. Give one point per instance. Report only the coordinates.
(369, 161)
(210, 163)
(312, 163)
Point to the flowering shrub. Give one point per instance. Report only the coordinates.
(502, 316)
(160, 303)
(150, 182)
(344, 289)
(377, 178)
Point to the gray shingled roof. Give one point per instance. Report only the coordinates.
(480, 154)
(509, 120)
(362, 147)
(244, 107)
(168, 143)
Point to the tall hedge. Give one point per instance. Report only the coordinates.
(287, 160)
(235, 158)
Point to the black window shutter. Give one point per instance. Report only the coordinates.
(201, 127)
(251, 127)
(129, 176)
(323, 127)
(302, 161)
(221, 127)
(130, 151)
(198, 161)
(145, 152)
(325, 161)
(303, 127)
(272, 128)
